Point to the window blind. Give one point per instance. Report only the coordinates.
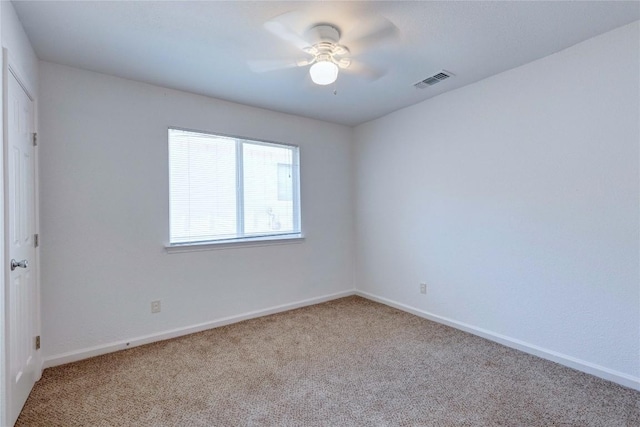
(226, 189)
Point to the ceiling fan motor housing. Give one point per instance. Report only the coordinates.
(323, 33)
(324, 45)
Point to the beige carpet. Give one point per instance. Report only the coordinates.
(343, 363)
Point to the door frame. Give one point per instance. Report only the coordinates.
(10, 67)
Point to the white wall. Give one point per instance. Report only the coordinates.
(104, 198)
(517, 200)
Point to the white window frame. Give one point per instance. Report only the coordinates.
(245, 241)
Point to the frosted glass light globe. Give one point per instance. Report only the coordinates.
(323, 72)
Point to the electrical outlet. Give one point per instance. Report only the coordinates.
(155, 306)
(423, 288)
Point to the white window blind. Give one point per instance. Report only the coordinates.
(225, 189)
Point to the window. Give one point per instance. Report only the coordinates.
(225, 189)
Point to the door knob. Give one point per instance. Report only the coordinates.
(22, 264)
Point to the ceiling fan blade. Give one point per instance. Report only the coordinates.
(370, 33)
(266, 65)
(364, 70)
(277, 27)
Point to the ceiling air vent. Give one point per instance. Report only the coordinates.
(431, 80)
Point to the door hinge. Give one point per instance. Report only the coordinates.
(35, 139)
(36, 240)
(38, 342)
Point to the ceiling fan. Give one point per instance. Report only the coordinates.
(325, 54)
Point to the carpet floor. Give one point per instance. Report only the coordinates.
(347, 362)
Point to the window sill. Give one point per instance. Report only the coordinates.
(239, 243)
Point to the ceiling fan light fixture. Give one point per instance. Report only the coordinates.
(323, 72)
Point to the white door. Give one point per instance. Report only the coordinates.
(20, 222)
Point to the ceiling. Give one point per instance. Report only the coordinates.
(204, 47)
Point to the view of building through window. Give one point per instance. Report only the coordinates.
(225, 188)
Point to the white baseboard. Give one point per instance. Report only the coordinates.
(572, 362)
(74, 356)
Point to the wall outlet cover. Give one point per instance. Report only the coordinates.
(155, 306)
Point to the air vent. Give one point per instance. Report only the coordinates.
(436, 78)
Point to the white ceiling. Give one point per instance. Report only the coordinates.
(203, 47)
